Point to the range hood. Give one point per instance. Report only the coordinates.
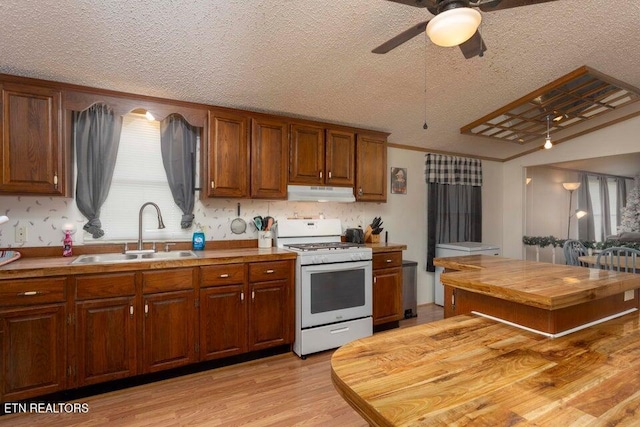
(312, 193)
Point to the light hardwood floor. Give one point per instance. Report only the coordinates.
(281, 390)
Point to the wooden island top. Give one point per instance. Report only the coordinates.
(538, 284)
(473, 371)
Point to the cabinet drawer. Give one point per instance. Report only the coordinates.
(167, 280)
(387, 259)
(32, 291)
(105, 286)
(265, 271)
(227, 274)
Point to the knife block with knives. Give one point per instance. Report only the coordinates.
(372, 232)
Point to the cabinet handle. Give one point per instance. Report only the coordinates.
(253, 295)
(388, 260)
(329, 174)
(241, 296)
(146, 310)
(55, 180)
(213, 185)
(268, 272)
(360, 192)
(375, 279)
(224, 276)
(131, 311)
(29, 293)
(320, 174)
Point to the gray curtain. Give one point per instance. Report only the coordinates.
(454, 201)
(178, 142)
(621, 199)
(586, 227)
(605, 212)
(97, 136)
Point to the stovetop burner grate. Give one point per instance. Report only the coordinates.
(323, 246)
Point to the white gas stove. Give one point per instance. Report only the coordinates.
(333, 284)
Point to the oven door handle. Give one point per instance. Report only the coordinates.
(341, 266)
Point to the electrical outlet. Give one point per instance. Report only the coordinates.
(21, 234)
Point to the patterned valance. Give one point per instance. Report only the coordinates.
(443, 169)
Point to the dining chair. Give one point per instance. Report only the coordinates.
(572, 250)
(619, 259)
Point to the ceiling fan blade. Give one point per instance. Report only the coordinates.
(474, 46)
(404, 36)
(507, 4)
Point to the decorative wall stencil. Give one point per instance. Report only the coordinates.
(399, 180)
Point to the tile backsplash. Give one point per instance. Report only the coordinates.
(46, 217)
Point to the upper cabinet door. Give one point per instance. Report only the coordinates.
(227, 155)
(32, 154)
(269, 158)
(307, 155)
(340, 149)
(371, 169)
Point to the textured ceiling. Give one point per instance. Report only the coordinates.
(313, 59)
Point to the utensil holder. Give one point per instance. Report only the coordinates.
(264, 239)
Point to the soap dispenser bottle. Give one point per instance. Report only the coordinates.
(198, 240)
(67, 244)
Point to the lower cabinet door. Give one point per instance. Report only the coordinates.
(33, 351)
(168, 330)
(106, 340)
(223, 316)
(268, 314)
(387, 295)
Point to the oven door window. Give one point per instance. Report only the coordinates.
(337, 290)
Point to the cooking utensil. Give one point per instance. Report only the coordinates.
(268, 223)
(238, 225)
(258, 222)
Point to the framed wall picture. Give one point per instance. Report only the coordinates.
(398, 180)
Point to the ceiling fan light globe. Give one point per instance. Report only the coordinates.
(454, 26)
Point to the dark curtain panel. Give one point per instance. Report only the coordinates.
(586, 226)
(178, 140)
(97, 135)
(454, 201)
(454, 214)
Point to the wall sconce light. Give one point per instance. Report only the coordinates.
(571, 187)
(547, 141)
(528, 180)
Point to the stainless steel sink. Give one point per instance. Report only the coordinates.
(119, 258)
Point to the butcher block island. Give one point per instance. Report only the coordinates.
(473, 371)
(548, 298)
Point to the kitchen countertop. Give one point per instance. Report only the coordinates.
(27, 267)
(61, 266)
(468, 370)
(538, 284)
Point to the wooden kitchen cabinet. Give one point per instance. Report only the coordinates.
(226, 156)
(33, 328)
(271, 306)
(387, 287)
(105, 327)
(169, 319)
(33, 156)
(371, 168)
(321, 157)
(223, 311)
(269, 158)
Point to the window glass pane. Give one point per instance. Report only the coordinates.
(594, 192)
(613, 200)
(139, 177)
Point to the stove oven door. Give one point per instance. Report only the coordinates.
(331, 293)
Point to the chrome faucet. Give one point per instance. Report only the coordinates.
(160, 224)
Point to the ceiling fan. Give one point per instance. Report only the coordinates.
(455, 23)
